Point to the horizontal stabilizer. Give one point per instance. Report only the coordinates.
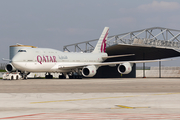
(6, 59)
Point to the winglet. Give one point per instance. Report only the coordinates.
(101, 44)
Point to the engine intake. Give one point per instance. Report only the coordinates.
(89, 71)
(10, 68)
(125, 68)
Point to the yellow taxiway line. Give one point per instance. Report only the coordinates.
(98, 98)
(127, 107)
(83, 99)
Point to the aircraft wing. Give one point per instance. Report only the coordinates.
(120, 62)
(81, 65)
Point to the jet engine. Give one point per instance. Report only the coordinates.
(125, 68)
(89, 71)
(10, 68)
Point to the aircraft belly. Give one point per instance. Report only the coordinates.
(34, 66)
(45, 67)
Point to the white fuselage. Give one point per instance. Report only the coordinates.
(51, 60)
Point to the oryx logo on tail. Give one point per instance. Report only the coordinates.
(101, 44)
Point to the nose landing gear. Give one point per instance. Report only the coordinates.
(24, 75)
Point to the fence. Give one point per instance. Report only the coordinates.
(2, 66)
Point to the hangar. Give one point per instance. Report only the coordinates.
(146, 44)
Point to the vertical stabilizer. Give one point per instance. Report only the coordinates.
(101, 44)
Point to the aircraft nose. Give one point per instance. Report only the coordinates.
(16, 60)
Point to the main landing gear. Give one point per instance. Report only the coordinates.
(48, 76)
(63, 76)
(75, 75)
(71, 75)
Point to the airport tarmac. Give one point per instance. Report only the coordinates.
(107, 99)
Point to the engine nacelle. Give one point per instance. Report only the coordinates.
(10, 68)
(89, 71)
(125, 68)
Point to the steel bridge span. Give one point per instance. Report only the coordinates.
(156, 37)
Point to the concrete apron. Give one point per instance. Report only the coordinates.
(89, 106)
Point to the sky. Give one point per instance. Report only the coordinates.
(56, 23)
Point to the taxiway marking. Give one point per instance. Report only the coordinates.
(94, 116)
(98, 98)
(127, 107)
(166, 94)
(83, 99)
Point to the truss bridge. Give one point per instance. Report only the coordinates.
(149, 43)
(146, 44)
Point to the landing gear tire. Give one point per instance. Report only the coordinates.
(12, 78)
(24, 77)
(75, 75)
(17, 77)
(49, 77)
(79, 77)
(62, 76)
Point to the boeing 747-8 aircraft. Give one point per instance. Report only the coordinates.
(67, 63)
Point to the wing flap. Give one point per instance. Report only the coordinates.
(71, 66)
(115, 56)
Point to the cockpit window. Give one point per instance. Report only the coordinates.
(22, 51)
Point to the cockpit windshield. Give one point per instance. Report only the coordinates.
(22, 51)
